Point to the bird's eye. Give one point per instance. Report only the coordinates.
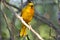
(31, 5)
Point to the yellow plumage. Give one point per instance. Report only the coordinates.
(27, 15)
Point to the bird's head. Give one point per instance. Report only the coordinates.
(31, 4)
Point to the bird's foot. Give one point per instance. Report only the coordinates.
(29, 27)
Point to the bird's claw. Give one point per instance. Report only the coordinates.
(29, 27)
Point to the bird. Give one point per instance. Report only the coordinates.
(27, 14)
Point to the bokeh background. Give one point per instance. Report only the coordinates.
(47, 11)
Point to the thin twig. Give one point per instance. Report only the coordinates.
(20, 18)
(21, 4)
(28, 37)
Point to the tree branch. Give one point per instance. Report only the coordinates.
(48, 22)
(20, 18)
(12, 5)
(24, 4)
(8, 24)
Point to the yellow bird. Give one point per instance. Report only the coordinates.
(27, 15)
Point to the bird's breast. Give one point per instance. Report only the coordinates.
(28, 15)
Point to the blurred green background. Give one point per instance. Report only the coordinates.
(47, 8)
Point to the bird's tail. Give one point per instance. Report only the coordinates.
(23, 31)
